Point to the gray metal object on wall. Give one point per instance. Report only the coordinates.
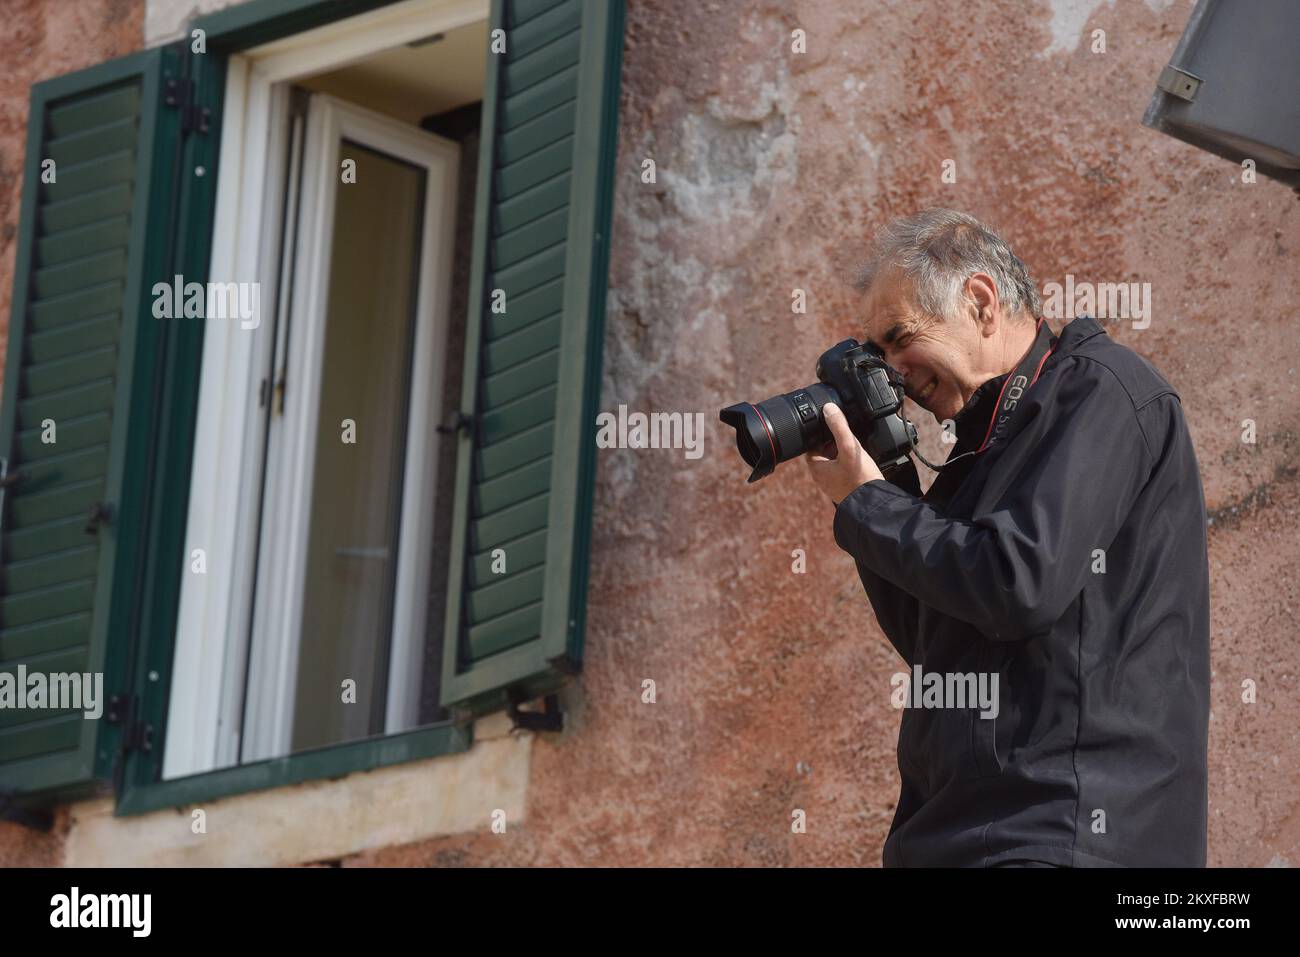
(1232, 85)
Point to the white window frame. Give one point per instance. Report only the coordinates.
(203, 723)
(282, 568)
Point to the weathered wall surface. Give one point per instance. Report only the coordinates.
(773, 168)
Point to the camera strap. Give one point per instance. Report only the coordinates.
(1024, 375)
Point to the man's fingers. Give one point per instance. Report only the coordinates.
(839, 426)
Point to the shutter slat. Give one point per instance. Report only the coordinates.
(542, 29)
(556, 56)
(17, 610)
(74, 434)
(87, 208)
(85, 241)
(493, 460)
(69, 277)
(535, 134)
(93, 113)
(72, 371)
(53, 634)
(83, 304)
(88, 144)
(535, 271)
(533, 101)
(531, 204)
(70, 403)
(74, 180)
(61, 469)
(498, 424)
(75, 498)
(526, 552)
(525, 309)
(511, 523)
(51, 737)
(520, 12)
(49, 570)
(520, 346)
(72, 339)
(43, 539)
(505, 632)
(513, 487)
(540, 234)
(513, 591)
(531, 170)
(521, 380)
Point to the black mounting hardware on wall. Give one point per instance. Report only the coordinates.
(37, 819)
(549, 719)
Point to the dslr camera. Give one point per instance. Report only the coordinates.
(850, 374)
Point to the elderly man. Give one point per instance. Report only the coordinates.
(1061, 551)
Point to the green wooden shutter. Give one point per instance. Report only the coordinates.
(532, 373)
(90, 245)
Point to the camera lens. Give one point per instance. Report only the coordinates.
(780, 428)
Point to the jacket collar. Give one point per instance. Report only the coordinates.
(972, 421)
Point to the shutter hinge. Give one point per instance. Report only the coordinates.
(179, 94)
(137, 735)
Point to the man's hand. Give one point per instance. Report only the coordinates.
(844, 465)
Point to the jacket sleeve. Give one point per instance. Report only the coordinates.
(1016, 566)
(896, 611)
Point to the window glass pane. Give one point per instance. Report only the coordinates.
(357, 483)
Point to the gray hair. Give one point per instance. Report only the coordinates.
(938, 250)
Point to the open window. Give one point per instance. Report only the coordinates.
(310, 580)
(358, 461)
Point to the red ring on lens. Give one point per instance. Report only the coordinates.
(768, 429)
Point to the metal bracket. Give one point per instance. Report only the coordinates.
(117, 708)
(549, 719)
(1179, 83)
(458, 421)
(100, 513)
(179, 93)
(137, 735)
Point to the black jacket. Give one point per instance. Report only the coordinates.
(1097, 756)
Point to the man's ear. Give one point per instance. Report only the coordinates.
(982, 293)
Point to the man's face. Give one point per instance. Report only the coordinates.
(937, 359)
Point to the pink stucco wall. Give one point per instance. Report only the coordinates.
(773, 168)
